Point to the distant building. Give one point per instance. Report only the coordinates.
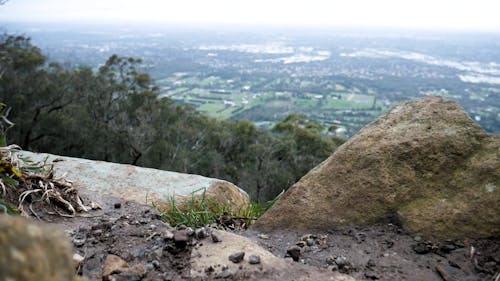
(229, 103)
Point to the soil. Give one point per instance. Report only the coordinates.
(382, 251)
(385, 251)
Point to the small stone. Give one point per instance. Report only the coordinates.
(301, 244)
(149, 267)
(417, 238)
(421, 248)
(168, 235)
(263, 236)
(181, 238)
(156, 264)
(189, 231)
(77, 259)
(459, 244)
(237, 257)
(78, 242)
(454, 264)
(341, 261)
(117, 205)
(201, 233)
(447, 248)
(310, 242)
(95, 206)
(215, 237)
(225, 274)
(112, 264)
(294, 252)
(254, 259)
(209, 269)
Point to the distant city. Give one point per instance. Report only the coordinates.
(343, 79)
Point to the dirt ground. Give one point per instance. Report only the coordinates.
(386, 252)
(383, 251)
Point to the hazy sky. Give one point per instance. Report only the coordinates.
(442, 14)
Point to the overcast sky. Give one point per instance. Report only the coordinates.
(441, 14)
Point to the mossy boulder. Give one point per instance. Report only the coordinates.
(425, 161)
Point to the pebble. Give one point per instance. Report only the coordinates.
(447, 248)
(417, 238)
(201, 233)
(263, 236)
(226, 274)
(341, 261)
(181, 237)
(294, 252)
(237, 257)
(301, 244)
(459, 244)
(310, 242)
(454, 264)
(168, 235)
(189, 231)
(149, 267)
(215, 237)
(113, 264)
(78, 259)
(156, 263)
(117, 205)
(78, 242)
(254, 259)
(421, 248)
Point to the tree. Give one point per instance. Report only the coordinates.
(115, 114)
(35, 92)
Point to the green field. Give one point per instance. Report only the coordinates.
(224, 99)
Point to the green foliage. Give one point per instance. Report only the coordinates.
(199, 211)
(5, 124)
(114, 114)
(195, 212)
(5, 208)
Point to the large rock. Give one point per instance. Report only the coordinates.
(34, 252)
(142, 185)
(210, 261)
(424, 160)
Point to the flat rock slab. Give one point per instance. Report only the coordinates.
(210, 261)
(142, 185)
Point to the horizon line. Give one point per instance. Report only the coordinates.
(205, 24)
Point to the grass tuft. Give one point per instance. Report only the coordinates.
(202, 210)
